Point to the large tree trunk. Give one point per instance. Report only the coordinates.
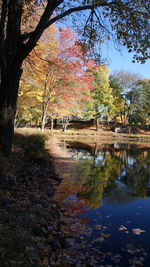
(8, 91)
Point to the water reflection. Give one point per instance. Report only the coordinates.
(117, 172)
(106, 189)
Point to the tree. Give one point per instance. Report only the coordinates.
(117, 92)
(75, 82)
(40, 77)
(127, 18)
(139, 102)
(122, 83)
(102, 94)
(57, 83)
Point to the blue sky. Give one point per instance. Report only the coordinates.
(117, 60)
(120, 60)
(123, 61)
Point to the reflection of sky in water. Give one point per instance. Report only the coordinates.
(113, 232)
(99, 158)
(122, 175)
(80, 154)
(131, 161)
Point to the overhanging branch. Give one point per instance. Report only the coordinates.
(75, 9)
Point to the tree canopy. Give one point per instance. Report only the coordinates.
(55, 82)
(127, 20)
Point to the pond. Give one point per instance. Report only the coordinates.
(106, 191)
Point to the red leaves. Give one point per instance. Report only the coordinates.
(59, 71)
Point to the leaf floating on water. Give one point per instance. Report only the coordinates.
(99, 239)
(137, 231)
(122, 228)
(105, 235)
(137, 261)
(98, 227)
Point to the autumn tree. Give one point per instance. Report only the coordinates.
(18, 37)
(76, 82)
(103, 102)
(56, 83)
(39, 79)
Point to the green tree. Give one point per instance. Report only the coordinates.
(117, 92)
(19, 35)
(122, 83)
(103, 103)
(139, 102)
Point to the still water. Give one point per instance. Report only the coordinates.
(106, 190)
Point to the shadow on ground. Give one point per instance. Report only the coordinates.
(29, 217)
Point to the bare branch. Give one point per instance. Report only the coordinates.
(45, 21)
(100, 24)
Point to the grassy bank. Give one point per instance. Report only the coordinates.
(102, 134)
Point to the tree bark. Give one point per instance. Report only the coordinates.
(55, 123)
(9, 92)
(44, 115)
(65, 122)
(52, 124)
(97, 124)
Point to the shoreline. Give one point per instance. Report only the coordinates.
(101, 135)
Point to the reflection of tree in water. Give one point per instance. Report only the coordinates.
(90, 176)
(100, 174)
(135, 175)
(119, 174)
(136, 172)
